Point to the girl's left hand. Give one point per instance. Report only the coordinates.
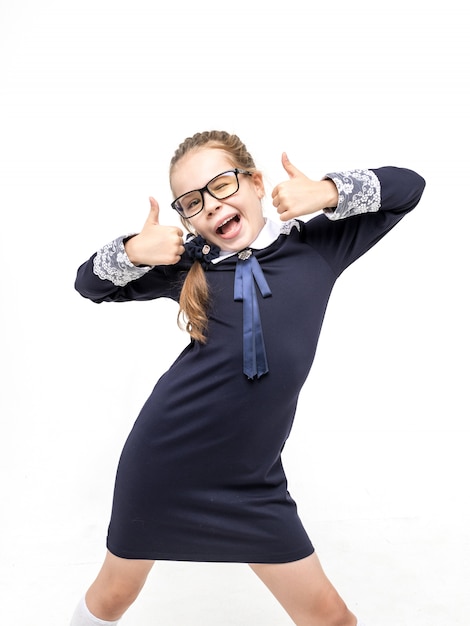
(300, 195)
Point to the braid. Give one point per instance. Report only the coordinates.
(195, 297)
(194, 302)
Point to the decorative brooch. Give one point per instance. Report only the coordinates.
(199, 250)
(245, 254)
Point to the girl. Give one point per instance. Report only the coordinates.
(200, 477)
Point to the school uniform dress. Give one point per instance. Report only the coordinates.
(200, 477)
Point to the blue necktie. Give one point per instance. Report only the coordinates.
(247, 271)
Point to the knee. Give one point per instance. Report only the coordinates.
(335, 612)
(117, 585)
(118, 598)
(111, 600)
(341, 616)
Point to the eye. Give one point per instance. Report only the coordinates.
(193, 203)
(220, 185)
(223, 185)
(190, 202)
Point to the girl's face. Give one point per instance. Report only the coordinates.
(233, 223)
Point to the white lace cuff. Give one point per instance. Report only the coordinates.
(112, 263)
(358, 192)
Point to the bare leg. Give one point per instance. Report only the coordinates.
(305, 592)
(117, 585)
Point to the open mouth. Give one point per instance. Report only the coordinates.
(228, 225)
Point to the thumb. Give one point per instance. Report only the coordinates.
(154, 212)
(290, 169)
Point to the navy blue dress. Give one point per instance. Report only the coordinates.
(200, 477)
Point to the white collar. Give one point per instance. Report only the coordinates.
(267, 235)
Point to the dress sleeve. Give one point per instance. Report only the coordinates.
(371, 203)
(112, 263)
(110, 276)
(358, 192)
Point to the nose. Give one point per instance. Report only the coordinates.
(211, 204)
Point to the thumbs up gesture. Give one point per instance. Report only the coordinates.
(299, 195)
(155, 244)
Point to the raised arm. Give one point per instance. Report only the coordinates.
(344, 194)
(370, 203)
(140, 267)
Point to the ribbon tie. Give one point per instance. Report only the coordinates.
(247, 271)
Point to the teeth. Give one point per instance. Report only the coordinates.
(229, 219)
(226, 221)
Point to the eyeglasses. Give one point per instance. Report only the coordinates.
(221, 187)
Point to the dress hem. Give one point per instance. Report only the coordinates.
(214, 558)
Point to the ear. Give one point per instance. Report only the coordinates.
(258, 183)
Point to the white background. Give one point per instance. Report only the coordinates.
(94, 98)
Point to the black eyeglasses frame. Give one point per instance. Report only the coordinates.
(236, 171)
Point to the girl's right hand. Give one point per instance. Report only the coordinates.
(155, 244)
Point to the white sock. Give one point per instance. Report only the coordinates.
(360, 624)
(83, 617)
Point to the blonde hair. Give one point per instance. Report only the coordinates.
(195, 296)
